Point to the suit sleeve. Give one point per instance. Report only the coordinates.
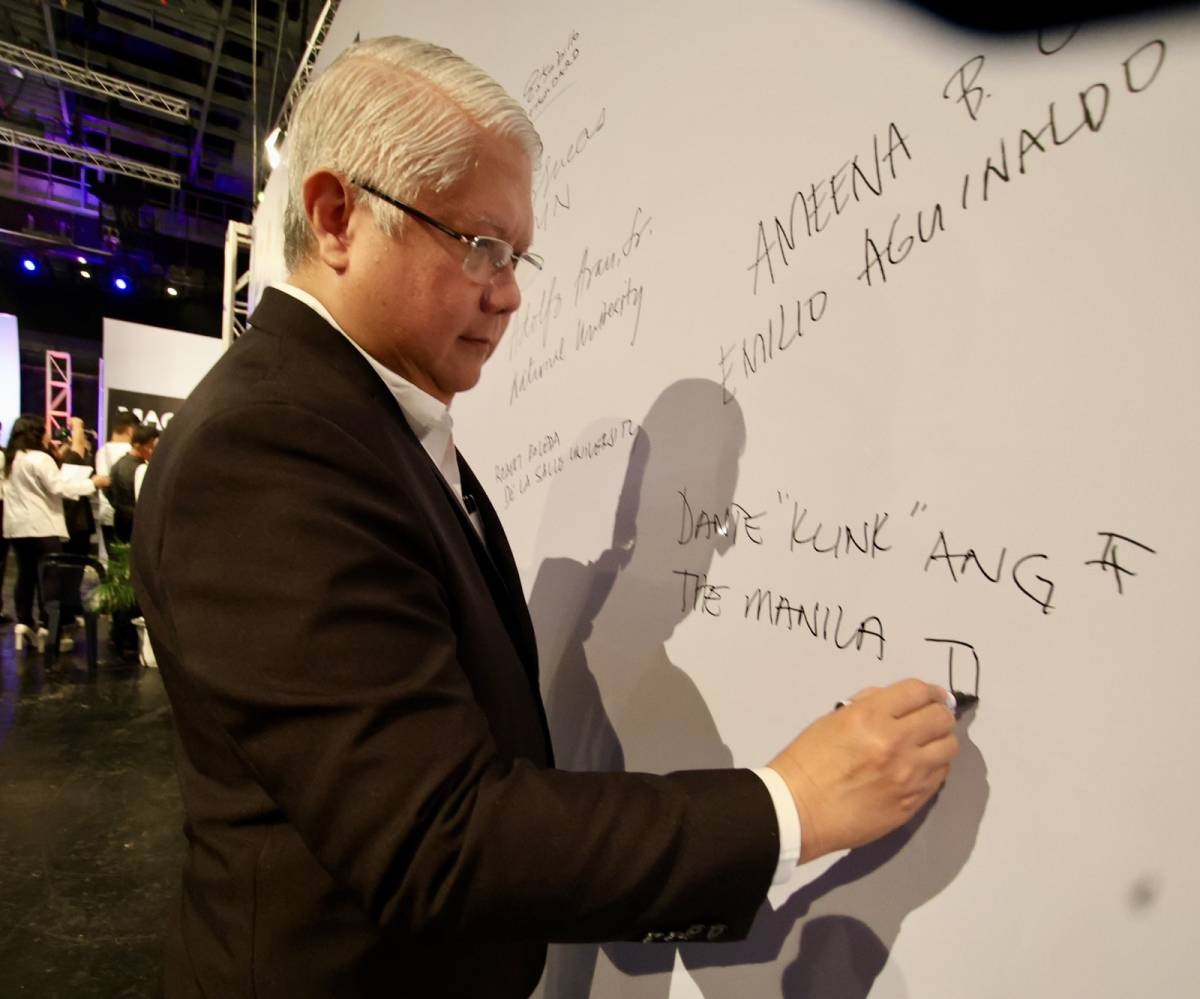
(302, 596)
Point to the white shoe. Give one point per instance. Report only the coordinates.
(21, 634)
(42, 635)
(66, 643)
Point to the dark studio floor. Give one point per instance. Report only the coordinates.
(90, 825)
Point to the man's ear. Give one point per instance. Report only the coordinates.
(328, 203)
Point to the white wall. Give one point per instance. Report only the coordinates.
(1015, 380)
(153, 360)
(10, 374)
(266, 251)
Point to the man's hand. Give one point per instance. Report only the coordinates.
(858, 773)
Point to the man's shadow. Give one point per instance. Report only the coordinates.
(616, 702)
(614, 699)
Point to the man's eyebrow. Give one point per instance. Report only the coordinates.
(483, 219)
(501, 230)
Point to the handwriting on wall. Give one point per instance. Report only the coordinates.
(540, 460)
(869, 176)
(826, 200)
(598, 307)
(1024, 574)
(1055, 129)
(552, 184)
(597, 300)
(547, 79)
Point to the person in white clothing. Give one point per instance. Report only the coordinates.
(120, 440)
(33, 513)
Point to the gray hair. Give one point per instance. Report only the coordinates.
(396, 112)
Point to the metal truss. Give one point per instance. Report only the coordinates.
(317, 39)
(88, 157)
(99, 83)
(58, 389)
(235, 306)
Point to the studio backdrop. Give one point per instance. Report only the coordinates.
(149, 371)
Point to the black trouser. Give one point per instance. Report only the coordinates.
(79, 543)
(123, 526)
(29, 554)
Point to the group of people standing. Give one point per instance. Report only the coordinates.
(65, 495)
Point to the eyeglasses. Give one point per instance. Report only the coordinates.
(487, 255)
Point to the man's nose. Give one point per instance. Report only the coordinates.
(502, 294)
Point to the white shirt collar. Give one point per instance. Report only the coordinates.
(428, 417)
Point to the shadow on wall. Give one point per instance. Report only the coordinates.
(617, 702)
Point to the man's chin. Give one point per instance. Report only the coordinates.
(467, 378)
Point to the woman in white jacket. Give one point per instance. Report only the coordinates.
(33, 512)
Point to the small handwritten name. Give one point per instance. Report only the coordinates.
(543, 81)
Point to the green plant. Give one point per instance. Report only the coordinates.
(115, 591)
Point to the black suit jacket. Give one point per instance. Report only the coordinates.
(370, 803)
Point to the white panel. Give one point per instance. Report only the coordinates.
(10, 374)
(266, 250)
(152, 359)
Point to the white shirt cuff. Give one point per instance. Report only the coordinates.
(789, 824)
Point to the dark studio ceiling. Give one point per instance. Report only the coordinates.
(180, 93)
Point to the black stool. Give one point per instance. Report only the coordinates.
(62, 581)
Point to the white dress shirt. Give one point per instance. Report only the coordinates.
(430, 420)
(33, 497)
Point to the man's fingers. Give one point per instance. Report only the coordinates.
(936, 755)
(926, 724)
(906, 696)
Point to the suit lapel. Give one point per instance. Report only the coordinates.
(499, 568)
(504, 568)
(286, 316)
(500, 556)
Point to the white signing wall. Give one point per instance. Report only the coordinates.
(866, 347)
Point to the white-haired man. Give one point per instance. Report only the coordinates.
(372, 805)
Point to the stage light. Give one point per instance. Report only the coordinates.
(29, 265)
(172, 291)
(85, 273)
(121, 282)
(81, 260)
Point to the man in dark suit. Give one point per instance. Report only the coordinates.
(372, 807)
